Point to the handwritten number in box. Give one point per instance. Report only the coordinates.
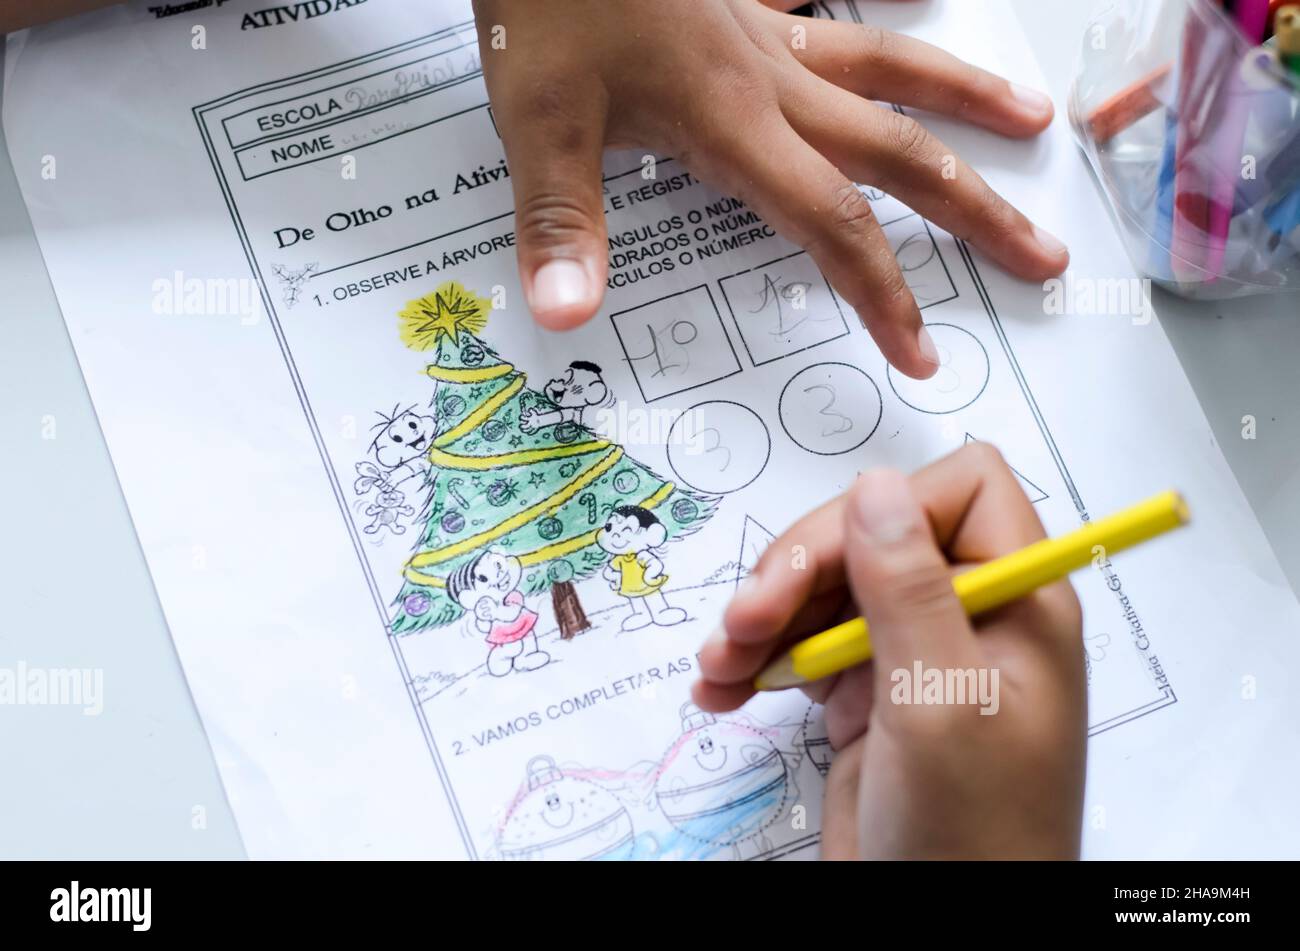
(783, 307)
(919, 258)
(676, 343)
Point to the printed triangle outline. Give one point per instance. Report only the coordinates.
(1035, 492)
(745, 534)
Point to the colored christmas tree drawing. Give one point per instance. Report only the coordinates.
(540, 497)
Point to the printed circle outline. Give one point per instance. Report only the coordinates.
(988, 375)
(880, 413)
(767, 456)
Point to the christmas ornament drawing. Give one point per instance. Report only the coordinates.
(521, 497)
(721, 790)
(723, 783)
(565, 817)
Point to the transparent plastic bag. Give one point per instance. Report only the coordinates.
(1194, 131)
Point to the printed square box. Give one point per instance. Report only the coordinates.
(676, 343)
(783, 307)
(923, 266)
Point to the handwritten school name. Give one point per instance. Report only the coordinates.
(294, 13)
(165, 10)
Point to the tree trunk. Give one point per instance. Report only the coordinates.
(568, 610)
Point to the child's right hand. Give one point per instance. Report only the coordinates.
(922, 781)
(774, 109)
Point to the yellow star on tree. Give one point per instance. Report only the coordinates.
(444, 313)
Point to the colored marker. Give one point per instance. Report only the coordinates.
(1228, 139)
(1274, 6)
(1287, 31)
(1129, 105)
(1201, 57)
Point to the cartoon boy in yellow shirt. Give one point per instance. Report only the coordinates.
(633, 535)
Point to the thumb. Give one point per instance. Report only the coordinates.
(554, 156)
(900, 579)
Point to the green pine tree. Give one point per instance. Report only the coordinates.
(540, 496)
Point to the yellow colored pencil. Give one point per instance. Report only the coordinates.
(989, 586)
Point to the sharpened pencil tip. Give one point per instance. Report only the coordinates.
(778, 675)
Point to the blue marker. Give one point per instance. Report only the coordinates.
(1284, 217)
(1163, 233)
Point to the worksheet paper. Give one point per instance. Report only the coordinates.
(382, 508)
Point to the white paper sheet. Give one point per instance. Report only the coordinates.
(237, 367)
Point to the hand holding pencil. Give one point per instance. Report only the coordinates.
(927, 779)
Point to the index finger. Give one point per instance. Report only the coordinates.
(977, 510)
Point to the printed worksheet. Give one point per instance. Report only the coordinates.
(437, 577)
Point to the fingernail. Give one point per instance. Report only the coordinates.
(886, 510)
(1031, 99)
(1049, 242)
(928, 349)
(559, 284)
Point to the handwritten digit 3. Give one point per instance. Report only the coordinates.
(962, 376)
(716, 447)
(946, 380)
(827, 410)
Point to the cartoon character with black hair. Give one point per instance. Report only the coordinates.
(402, 442)
(633, 536)
(487, 586)
(581, 387)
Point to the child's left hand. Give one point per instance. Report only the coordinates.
(772, 108)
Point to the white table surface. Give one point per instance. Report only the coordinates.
(139, 780)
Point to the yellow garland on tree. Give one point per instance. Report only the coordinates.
(523, 457)
(437, 556)
(546, 552)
